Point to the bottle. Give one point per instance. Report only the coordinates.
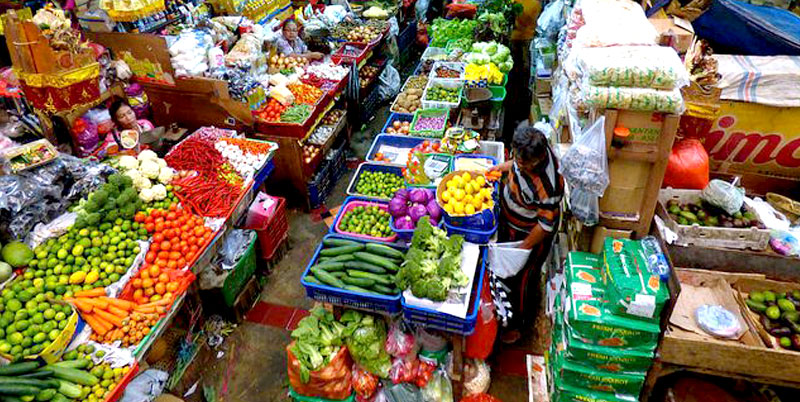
(656, 260)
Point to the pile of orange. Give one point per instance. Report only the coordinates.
(151, 284)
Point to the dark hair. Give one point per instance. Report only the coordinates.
(290, 21)
(114, 108)
(529, 143)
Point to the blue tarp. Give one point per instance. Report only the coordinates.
(737, 27)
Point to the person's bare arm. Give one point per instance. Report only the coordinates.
(503, 167)
(535, 237)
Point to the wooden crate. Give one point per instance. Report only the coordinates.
(636, 168)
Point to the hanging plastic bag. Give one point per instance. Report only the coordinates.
(425, 369)
(477, 377)
(439, 388)
(389, 83)
(725, 195)
(585, 164)
(403, 393)
(585, 206)
(422, 10)
(332, 381)
(688, 166)
(403, 370)
(479, 344)
(364, 383)
(400, 342)
(507, 259)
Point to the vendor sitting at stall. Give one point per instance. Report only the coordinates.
(290, 44)
(124, 117)
(529, 200)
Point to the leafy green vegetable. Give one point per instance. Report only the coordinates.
(433, 263)
(443, 30)
(366, 337)
(318, 338)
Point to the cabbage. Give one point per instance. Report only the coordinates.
(402, 194)
(398, 207)
(478, 47)
(434, 211)
(419, 196)
(404, 223)
(506, 66)
(417, 211)
(477, 58)
(490, 48)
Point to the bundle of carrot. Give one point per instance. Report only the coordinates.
(116, 319)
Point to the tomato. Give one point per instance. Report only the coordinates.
(192, 240)
(139, 217)
(185, 235)
(184, 245)
(175, 241)
(161, 263)
(158, 237)
(174, 255)
(159, 220)
(173, 207)
(155, 213)
(198, 231)
(172, 265)
(165, 245)
(169, 224)
(163, 255)
(185, 228)
(155, 246)
(181, 262)
(149, 227)
(159, 227)
(150, 257)
(149, 219)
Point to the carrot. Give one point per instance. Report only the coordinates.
(117, 311)
(145, 309)
(100, 304)
(97, 324)
(96, 292)
(109, 317)
(82, 305)
(162, 302)
(119, 303)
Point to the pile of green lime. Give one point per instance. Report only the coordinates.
(86, 258)
(170, 199)
(30, 320)
(439, 93)
(379, 184)
(109, 377)
(366, 220)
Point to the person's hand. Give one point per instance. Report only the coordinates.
(315, 56)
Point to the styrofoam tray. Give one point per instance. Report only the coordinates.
(470, 255)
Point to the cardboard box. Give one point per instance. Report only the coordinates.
(626, 189)
(600, 234)
(675, 32)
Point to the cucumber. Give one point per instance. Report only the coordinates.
(384, 250)
(73, 375)
(382, 279)
(323, 259)
(312, 279)
(34, 382)
(337, 251)
(37, 374)
(327, 278)
(334, 242)
(339, 274)
(18, 368)
(8, 398)
(18, 390)
(377, 260)
(365, 266)
(384, 289)
(363, 282)
(69, 389)
(342, 258)
(331, 266)
(359, 289)
(45, 395)
(76, 364)
(60, 398)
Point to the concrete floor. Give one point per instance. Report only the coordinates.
(252, 367)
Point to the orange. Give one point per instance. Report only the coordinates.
(144, 274)
(155, 298)
(163, 278)
(137, 294)
(137, 283)
(149, 292)
(154, 271)
(147, 283)
(172, 286)
(160, 288)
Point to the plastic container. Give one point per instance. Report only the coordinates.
(397, 116)
(454, 65)
(429, 113)
(483, 220)
(432, 319)
(435, 183)
(434, 53)
(431, 104)
(371, 167)
(489, 160)
(495, 149)
(240, 274)
(339, 56)
(342, 297)
(273, 230)
(406, 234)
(349, 204)
(471, 235)
(402, 142)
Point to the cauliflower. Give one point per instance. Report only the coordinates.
(142, 183)
(146, 194)
(161, 163)
(128, 162)
(165, 175)
(159, 192)
(149, 169)
(134, 175)
(147, 155)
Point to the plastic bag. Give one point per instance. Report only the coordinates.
(330, 382)
(585, 164)
(400, 342)
(439, 388)
(585, 206)
(403, 392)
(725, 195)
(389, 83)
(145, 386)
(656, 67)
(425, 369)
(718, 321)
(422, 10)
(481, 397)
(403, 370)
(507, 259)
(479, 344)
(236, 244)
(477, 377)
(643, 99)
(430, 341)
(364, 383)
(550, 20)
(688, 166)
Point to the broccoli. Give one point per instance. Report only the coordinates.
(93, 219)
(128, 211)
(98, 198)
(111, 215)
(80, 222)
(127, 182)
(91, 205)
(419, 289)
(112, 190)
(436, 289)
(127, 197)
(117, 180)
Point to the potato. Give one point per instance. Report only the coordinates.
(412, 97)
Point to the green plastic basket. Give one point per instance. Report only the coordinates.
(497, 99)
(300, 398)
(240, 274)
(429, 113)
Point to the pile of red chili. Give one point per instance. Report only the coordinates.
(206, 195)
(195, 153)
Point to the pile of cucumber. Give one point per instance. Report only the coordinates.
(367, 268)
(59, 382)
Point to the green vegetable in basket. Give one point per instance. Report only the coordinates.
(367, 220)
(432, 265)
(442, 94)
(317, 339)
(379, 184)
(296, 114)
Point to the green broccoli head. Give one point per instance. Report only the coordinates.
(436, 289)
(127, 182)
(419, 289)
(91, 205)
(97, 198)
(117, 179)
(80, 222)
(111, 189)
(128, 211)
(111, 215)
(127, 197)
(93, 219)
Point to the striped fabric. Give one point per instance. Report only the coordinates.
(773, 80)
(530, 200)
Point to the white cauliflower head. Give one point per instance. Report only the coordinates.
(161, 163)
(159, 192)
(128, 162)
(146, 194)
(142, 182)
(149, 168)
(147, 155)
(165, 175)
(134, 175)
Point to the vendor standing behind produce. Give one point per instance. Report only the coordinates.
(529, 200)
(290, 44)
(519, 76)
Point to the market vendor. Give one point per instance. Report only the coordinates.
(124, 117)
(530, 198)
(290, 44)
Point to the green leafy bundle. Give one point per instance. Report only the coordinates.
(497, 19)
(433, 263)
(318, 338)
(116, 199)
(366, 337)
(443, 30)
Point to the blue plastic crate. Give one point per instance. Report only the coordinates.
(397, 116)
(399, 141)
(372, 167)
(342, 297)
(431, 319)
(406, 234)
(472, 156)
(472, 236)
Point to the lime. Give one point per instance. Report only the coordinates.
(13, 305)
(39, 337)
(53, 334)
(15, 338)
(5, 347)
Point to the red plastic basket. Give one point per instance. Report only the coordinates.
(339, 57)
(274, 231)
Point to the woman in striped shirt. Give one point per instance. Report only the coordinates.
(530, 201)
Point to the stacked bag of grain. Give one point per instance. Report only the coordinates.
(606, 325)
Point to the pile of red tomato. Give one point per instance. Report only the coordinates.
(271, 111)
(178, 236)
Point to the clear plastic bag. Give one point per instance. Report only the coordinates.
(403, 370)
(425, 369)
(550, 20)
(235, 246)
(585, 205)
(725, 195)
(632, 66)
(477, 377)
(642, 99)
(400, 342)
(389, 83)
(439, 388)
(585, 164)
(364, 383)
(403, 392)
